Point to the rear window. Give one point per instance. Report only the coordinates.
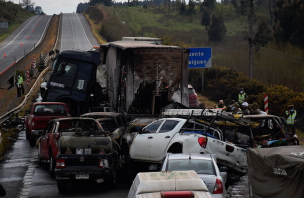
(191, 91)
(79, 127)
(50, 110)
(199, 166)
(108, 124)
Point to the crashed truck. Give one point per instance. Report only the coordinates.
(136, 78)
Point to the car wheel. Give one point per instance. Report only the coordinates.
(62, 186)
(32, 141)
(26, 133)
(52, 164)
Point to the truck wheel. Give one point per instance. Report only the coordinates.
(52, 164)
(32, 141)
(62, 186)
(111, 183)
(124, 160)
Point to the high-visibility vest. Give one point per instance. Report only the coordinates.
(20, 80)
(291, 118)
(242, 97)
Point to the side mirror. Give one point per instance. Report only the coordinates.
(27, 112)
(57, 51)
(153, 167)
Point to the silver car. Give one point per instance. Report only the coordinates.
(204, 165)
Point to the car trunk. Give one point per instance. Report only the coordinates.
(209, 180)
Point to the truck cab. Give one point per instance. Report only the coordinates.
(72, 80)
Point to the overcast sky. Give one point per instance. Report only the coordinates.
(51, 7)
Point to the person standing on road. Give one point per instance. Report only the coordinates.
(236, 109)
(291, 115)
(221, 105)
(20, 88)
(245, 109)
(242, 96)
(256, 109)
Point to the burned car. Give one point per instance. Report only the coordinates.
(83, 151)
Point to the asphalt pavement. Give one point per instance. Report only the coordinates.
(22, 40)
(22, 176)
(75, 33)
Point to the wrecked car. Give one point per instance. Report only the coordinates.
(79, 149)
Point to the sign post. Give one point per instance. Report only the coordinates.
(200, 58)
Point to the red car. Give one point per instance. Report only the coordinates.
(38, 118)
(193, 100)
(48, 143)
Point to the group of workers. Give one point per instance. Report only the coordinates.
(242, 107)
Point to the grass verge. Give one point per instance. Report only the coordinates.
(95, 29)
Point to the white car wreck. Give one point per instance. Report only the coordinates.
(178, 135)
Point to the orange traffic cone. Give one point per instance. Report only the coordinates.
(4, 55)
(21, 44)
(28, 37)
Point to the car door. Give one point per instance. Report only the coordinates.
(162, 139)
(140, 147)
(44, 150)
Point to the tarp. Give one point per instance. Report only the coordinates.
(276, 172)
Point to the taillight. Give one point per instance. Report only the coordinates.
(229, 148)
(192, 96)
(176, 194)
(218, 189)
(103, 163)
(60, 163)
(202, 142)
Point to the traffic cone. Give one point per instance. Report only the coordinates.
(21, 44)
(33, 30)
(28, 37)
(4, 55)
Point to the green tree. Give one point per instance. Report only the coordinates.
(206, 18)
(264, 33)
(182, 8)
(210, 4)
(243, 8)
(191, 9)
(289, 25)
(217, 29)
(234, 3)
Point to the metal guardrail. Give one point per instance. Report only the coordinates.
(27, 96)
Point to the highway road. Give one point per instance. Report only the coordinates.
(75, 33)
(22, 176)
(22, 40)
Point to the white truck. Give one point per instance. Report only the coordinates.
(179, 135)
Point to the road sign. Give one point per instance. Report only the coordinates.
(3, 25)
(200, 57)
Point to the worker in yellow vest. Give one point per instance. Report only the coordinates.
(20, 88)
(242, 96)
(291, 115)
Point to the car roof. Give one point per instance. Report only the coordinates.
(73, 118)
(106, 114)
(142, 121)
(186, 156)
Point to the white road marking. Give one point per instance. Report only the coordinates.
(84, 31)
(18, 34)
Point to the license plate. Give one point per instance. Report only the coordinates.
(82, 176)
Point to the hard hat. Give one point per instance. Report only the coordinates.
(245, 104)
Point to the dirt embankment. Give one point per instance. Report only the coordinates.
(8, 99)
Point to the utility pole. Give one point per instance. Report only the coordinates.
(250, 39)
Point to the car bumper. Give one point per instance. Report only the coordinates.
(95, 173)
(219, 195)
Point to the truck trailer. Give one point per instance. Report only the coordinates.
(131, 77)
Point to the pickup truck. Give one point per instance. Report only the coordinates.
(178, 135)
(79, 149)
(40, 115)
